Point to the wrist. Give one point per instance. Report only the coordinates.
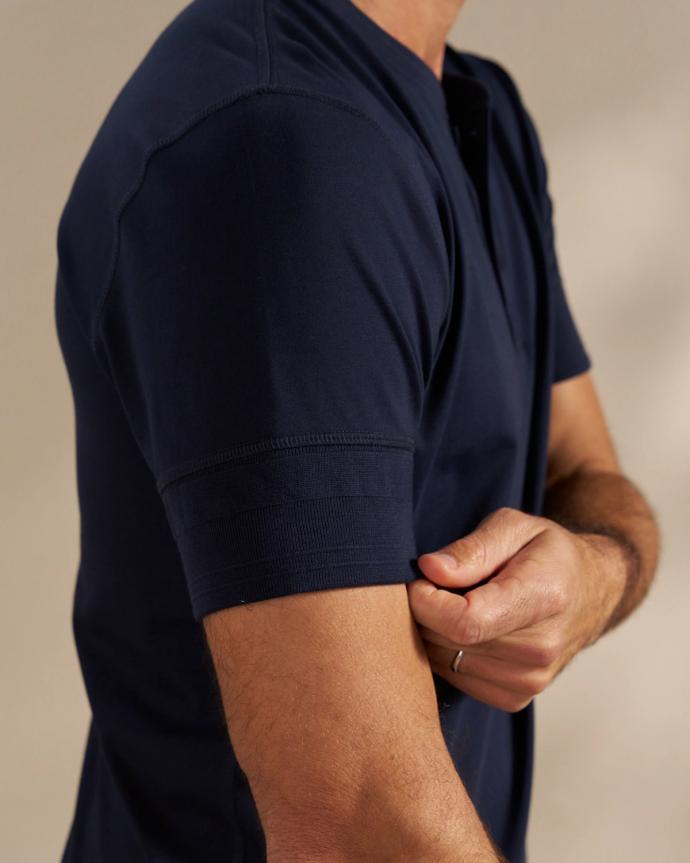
(609, 568)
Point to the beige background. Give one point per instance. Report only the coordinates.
(607, 83)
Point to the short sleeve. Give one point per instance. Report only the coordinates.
(268, 329)
(570, 354)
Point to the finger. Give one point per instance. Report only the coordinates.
(438, 610)
(481, 690)
(518, 597)
(474, 557)
(434, 637)
(510, 647)
(518, 679)
(536, 646)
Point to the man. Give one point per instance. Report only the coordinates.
(310, 307)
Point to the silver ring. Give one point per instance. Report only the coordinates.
(456, 661)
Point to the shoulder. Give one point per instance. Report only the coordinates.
(214, 65)
(267, 150)
(275, 179)
(285, 122)
(204, 112)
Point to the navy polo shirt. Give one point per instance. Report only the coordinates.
(310, 309)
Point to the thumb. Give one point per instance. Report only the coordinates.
(477, 555)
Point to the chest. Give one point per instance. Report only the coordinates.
(482, 421)
(495, 228)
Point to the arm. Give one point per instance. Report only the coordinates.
(266, 337)
(556, 582)
(587, 492)
(332, 714)
(536, 590)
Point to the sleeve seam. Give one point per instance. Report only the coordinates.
(299, 442)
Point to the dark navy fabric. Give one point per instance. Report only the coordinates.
(310, 308)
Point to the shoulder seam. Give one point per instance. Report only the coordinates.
(188, 126)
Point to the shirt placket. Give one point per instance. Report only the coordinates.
(469, 115)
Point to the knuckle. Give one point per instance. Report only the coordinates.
(545, 653)
(510, 515)
(537, 683)
(466, 630)
(548, 525)
(558, 596)
(471, 551)
(517, 703)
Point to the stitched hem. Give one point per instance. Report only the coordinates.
(400, 571)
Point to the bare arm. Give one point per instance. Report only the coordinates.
(588, 493)
(332, 714)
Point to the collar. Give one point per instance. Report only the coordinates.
(457, 95)
(467, 98)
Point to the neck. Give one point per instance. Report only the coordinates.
(423, 26)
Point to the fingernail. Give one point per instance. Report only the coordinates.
(446, 559)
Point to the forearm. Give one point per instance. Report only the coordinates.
(609, 504)
(384, 794)
(333, 717)
(388, 819)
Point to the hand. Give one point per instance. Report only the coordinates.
(534, 594)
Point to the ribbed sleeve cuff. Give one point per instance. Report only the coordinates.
(295, 518)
